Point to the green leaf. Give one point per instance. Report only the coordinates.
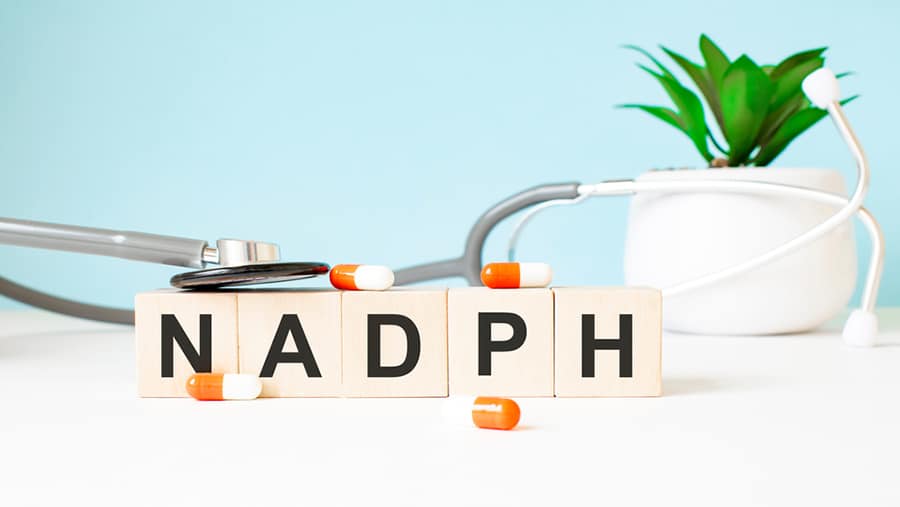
(701, 78)
(662, 68)
(690, 111)
(712, 138)
(774, 119)
(788, 84)
(795, 60)
(793, 127)
(716, 61)
(746, 91)
(663, 113)
(798, 123)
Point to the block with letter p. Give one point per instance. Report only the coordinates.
(608, 341)
(501, 341)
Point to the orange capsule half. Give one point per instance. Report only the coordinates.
(516, 275)
(223, 386)
(495, 413)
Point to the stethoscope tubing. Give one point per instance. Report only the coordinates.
(190, 252)
(631, 187)
(543, 197)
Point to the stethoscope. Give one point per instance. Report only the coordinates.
(242, 262)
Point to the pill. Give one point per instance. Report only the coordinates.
(515, 275)
(361, 277)
(223, 386)
(483, 411)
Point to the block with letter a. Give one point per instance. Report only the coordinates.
(291, 340)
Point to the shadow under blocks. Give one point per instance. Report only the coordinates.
(422, 342)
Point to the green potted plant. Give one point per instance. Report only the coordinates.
(740, 117)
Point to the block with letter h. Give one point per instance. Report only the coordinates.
(579, 341)
(608, 341)
(576, 341)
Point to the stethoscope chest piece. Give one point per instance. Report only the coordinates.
(249, 274)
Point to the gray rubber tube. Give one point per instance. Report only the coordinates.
(131, 245)
(55, 304)
(468, 266)
(136, 246)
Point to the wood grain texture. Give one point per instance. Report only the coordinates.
(299, 332)
(426, 309)
(525, 371)
(605, 308)
(191, 310)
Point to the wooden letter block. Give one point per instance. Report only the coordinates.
(395, 343)
(291, 339)
(608, 341)
(179, 333)
(501, 341)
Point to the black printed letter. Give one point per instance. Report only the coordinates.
(172, 331)
(290, 324)
(486, 346)
(413, 345)
(589, 344)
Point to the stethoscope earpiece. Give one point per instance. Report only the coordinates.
(861, 329)
(253, 262)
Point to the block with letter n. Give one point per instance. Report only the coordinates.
(180, 333)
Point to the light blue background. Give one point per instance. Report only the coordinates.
(378, 131)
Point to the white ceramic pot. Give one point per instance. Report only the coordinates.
(674, 237)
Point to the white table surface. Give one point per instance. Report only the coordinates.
(800, 420)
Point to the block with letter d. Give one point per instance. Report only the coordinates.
(608, 341)
(394, 343)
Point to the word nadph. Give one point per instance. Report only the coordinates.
(567, 341)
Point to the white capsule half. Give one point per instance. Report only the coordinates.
(535, 274)
(456, 411)
(237, 386)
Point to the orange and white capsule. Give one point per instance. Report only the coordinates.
(516, 275)
(361, 277)
(223, 386)
(483, 411)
